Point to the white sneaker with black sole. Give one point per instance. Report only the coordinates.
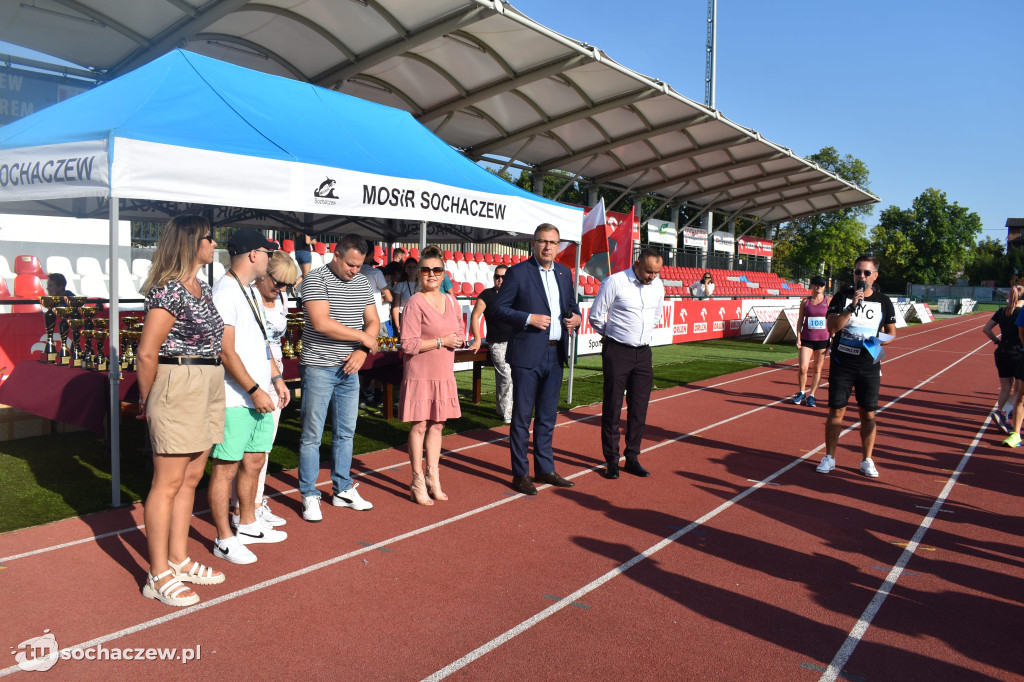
(234, 551)
(351, 498)
(311, 509)
(259, 533)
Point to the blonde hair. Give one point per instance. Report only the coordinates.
(282, 268)
(177, 250)
(1012, 298)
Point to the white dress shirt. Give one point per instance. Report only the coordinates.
(627, 310)
(549, 279)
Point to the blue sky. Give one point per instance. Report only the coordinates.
(928, 93)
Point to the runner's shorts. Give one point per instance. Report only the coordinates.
(844, 378)
(185, 408)
(1008, 365)
(814, 345)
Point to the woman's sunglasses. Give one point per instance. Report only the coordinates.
(207, 238)
(436, 271)
(280, 285)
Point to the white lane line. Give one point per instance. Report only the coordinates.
(508, 635)
(842, 656)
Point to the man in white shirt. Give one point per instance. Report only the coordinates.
(627, 309)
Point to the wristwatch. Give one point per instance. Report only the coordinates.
(255, 387)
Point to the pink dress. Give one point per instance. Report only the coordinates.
(428, 381)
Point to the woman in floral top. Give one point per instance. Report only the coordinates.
(181, 397)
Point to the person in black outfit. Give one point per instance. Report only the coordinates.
(498, 333)
(1007, 354)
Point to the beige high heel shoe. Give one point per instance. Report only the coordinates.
(418, 490)
(434, 484)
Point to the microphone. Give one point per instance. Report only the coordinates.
(862, 285)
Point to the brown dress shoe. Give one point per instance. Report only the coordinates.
(523, 484)
(554, 479)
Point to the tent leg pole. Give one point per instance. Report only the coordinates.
(114, 369)
(576, 337)
(423, 236)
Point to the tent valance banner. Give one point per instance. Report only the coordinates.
(186, 129)
(724, 241)
(695, 237)
(754, 246)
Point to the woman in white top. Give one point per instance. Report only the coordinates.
(281, 274)
(404, 290)
(704, 287)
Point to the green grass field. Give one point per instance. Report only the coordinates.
(55, 477)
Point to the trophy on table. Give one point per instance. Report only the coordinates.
(50, 319)
(287, 344)
(87, 353)
(100, 334)
(76, 324)
(65, 312)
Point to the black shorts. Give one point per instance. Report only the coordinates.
(814, 345)
(843, 378)
(1008, 364)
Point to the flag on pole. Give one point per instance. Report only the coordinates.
(621, 237)
(593, 245)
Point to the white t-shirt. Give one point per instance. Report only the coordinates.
(377, 284)
(230, 299)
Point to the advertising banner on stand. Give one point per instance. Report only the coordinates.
(724, 242)
(661, 232)
(754, 246)
(695, 237)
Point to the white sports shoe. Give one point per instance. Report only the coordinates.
(311, 509)
(351, 498)
(268, 517)
(259, 533)
(233, 550)
(828, 463)
(867, 467)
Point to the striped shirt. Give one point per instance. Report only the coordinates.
(348, 301)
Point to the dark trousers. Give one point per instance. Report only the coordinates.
(536, 388)
(625, 369)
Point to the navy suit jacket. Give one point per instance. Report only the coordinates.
(521, 295)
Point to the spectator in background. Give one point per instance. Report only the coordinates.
(304, 245)
(704, 287)
(498, 333)
(57, 285)
(1007, 355)
(398, 255)
(403, 291)
(432, 330)
(812, 340)
(180, 347)
(372, 390)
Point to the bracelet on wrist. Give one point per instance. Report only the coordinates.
(439, 343)
(255, 387)
(276, 377)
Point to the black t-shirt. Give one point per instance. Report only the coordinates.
(871, 316)
(1009, 339)
(497, 331)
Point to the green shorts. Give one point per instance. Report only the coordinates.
(245, 430)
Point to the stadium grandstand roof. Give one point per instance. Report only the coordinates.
(480, 74)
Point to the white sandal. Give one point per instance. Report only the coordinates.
(169, 591)
(198, 574)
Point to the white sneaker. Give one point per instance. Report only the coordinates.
(259, 533)
(311, 509)
(268, 517)
(867, 467)
(351, 498)
(828, 463)
(233, 550)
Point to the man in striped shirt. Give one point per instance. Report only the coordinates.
(340, 332)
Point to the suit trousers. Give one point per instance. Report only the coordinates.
(625, 369)
(535, 389)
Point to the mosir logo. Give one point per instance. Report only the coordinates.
(324, 193)
(37, 653)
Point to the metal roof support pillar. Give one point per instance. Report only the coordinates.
(538, 183)
(675, 213)
(707, 223)
(114, 369)
(731, 229)
(638, 201)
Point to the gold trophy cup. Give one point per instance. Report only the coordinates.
(76, 324)
(50, 319)
(65, 312)
(101, 337)
(87, 352)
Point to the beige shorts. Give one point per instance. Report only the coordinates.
(185, 408)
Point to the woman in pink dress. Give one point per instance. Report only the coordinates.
(432, 328)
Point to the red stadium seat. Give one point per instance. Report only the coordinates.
(479, 257)
(321, 248)
(4, 291)
(28, 286)
(459, 256)
(378, 255)
(288, 245)
(332, 246)
(28, 265)
(414, 253)
(583, 279)
(467, 289)
(489, 258)
(478, 288)
(588, 289)
(506, 259)
(448, 255)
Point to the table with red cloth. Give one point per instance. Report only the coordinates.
(65, 394)
(387, 367)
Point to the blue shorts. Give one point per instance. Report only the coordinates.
(303, 256)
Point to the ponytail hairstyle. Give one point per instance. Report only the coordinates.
(1016, 292)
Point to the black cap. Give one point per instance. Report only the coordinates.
(818, 281)
(248, 239)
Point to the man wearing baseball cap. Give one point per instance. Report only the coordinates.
(248, 425)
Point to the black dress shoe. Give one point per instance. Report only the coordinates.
(523, 484)
(554, 479)
(633, 467)
(611, 471)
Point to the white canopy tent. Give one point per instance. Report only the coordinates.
(186, 131)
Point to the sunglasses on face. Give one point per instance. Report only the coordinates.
(206, 238)
(499, 277)
(866, 273)
(427, 271)
(280, 285)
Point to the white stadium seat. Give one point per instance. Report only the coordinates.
(87, 266)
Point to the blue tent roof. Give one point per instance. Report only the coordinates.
(187, 100)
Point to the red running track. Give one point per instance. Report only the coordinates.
(734, 560)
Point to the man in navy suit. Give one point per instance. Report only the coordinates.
(536, 300)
